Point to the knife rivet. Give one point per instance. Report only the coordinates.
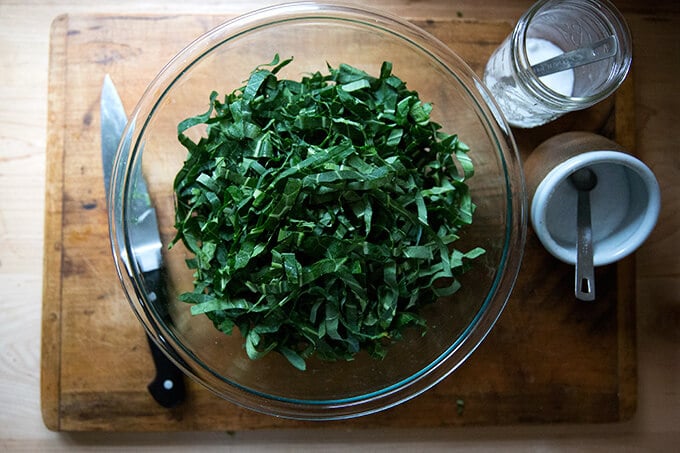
(168, 384)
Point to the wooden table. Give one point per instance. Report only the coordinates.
(23, 90)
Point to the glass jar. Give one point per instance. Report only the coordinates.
(548, 29)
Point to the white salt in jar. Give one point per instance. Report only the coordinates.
(546, 30)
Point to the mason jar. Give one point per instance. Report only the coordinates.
(548, 29)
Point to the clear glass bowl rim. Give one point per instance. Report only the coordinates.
(130, 151)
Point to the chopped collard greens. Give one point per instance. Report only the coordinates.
(321, 213)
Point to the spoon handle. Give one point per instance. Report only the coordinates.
(605, 48)
(585, 274)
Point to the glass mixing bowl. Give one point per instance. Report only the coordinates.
(315, 35)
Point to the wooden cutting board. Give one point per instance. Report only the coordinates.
(549, 358)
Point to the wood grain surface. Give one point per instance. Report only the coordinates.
(549, 359)
(25, 46)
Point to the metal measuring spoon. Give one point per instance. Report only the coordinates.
(584, 180)
(600, 50)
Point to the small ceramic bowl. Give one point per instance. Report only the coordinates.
(625, 203)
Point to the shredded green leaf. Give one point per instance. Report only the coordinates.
(321, 213)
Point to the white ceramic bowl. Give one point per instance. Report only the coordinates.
(625, 203)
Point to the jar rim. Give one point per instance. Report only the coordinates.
(618, 27)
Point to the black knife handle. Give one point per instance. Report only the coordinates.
(167, 387)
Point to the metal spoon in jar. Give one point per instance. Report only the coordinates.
(600, 50)
(584, 180)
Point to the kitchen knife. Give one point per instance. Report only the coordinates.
(167, 388)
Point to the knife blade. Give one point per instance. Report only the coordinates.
(167, 387)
